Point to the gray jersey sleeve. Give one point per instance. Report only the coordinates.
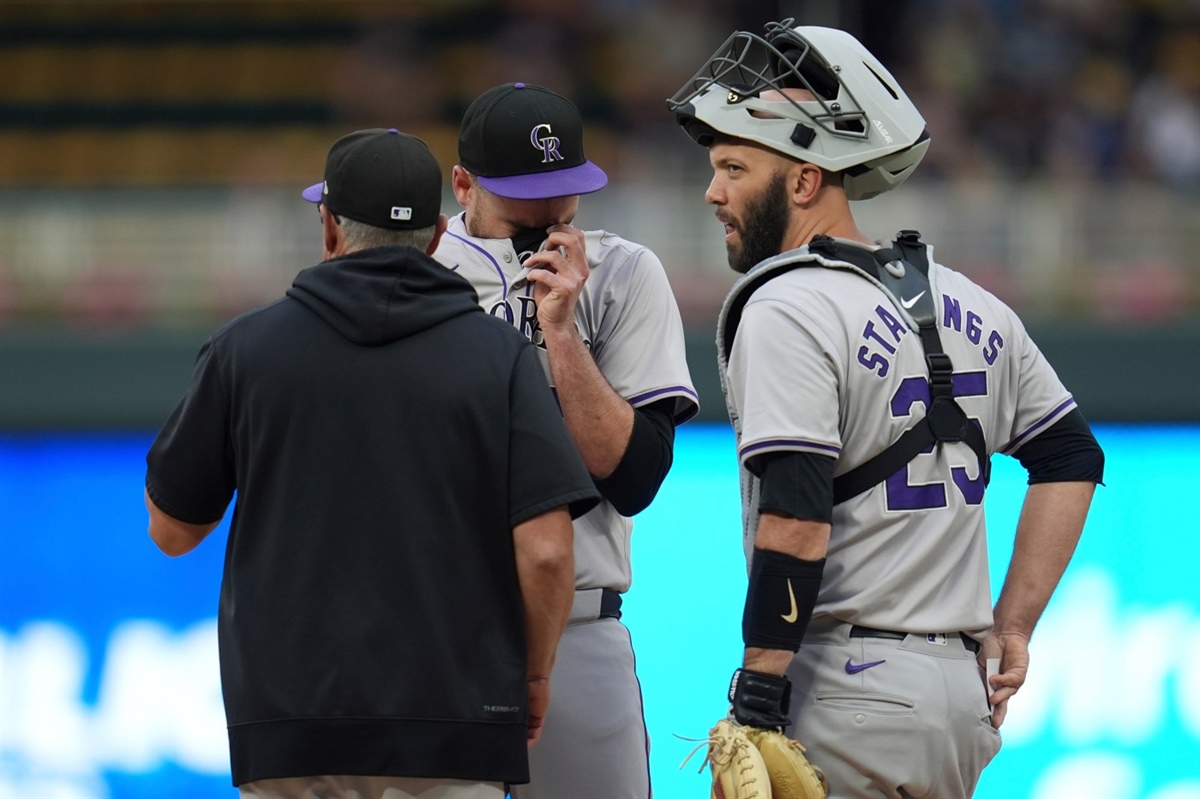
(639, 343)
(1040, 399)
(784, 379)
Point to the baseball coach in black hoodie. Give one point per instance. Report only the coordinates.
(398, 569)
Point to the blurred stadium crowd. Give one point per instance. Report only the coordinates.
(150, 151)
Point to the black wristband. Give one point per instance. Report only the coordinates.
(780, 599)
(760, 700)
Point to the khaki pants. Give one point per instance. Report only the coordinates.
(355, 787)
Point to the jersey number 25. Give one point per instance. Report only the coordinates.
(902, 495)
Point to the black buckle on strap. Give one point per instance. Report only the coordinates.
(941, 371)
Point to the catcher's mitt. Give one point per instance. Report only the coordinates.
(738, 770)
(752, 763)
(790, 773)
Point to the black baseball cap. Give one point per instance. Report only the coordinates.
(381, 177)
(525, 142)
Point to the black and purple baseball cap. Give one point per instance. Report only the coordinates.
(381, 177)
(525, 142)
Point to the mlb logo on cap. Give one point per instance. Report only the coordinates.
(382, 178)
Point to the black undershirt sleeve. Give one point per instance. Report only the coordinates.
(800, 484)
(634, 483)
(797, 484)
(1064, 452)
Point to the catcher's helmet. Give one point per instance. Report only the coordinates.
(859, 122)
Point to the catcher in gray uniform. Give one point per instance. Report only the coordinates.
(608, 330)
(868, 387)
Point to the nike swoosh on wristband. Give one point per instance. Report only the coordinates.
(855, 668)
(791, 616)
(908, 304)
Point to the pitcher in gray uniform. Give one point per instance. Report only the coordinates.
(608, 331)
(868, 386)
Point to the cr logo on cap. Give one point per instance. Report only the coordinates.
(400, 212)
(548, 144)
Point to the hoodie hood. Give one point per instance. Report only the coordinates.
(383, 294)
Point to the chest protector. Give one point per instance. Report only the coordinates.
(900, 271)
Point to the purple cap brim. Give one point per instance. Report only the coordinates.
(313, 192)
(583, 179)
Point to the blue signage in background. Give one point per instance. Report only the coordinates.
(1111, 709)
(108, 649)
(109, 686)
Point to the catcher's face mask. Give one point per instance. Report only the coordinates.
(814, 94)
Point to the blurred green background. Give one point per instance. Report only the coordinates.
(152, 154)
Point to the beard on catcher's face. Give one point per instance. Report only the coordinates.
(762, 226)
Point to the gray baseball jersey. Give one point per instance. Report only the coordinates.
(595, 740)
(627, 317)
(825, 362)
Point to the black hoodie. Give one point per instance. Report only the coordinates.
(382, 295)
(383, 435)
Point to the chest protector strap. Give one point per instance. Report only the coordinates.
(903, 269)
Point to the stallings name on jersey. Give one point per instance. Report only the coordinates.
(882, 333)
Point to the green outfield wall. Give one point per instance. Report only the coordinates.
(63, 379)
